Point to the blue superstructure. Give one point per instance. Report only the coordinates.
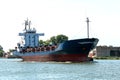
(31, 38)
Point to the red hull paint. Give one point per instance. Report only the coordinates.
(58, 58)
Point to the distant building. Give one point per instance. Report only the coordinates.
(104, 51)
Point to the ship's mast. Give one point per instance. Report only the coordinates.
(27, 23)
(87, 26)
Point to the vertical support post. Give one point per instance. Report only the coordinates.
(29, 24)
(87, 27)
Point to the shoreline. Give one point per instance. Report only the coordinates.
(107, 58)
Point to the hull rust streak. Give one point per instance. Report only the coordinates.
(58, 58)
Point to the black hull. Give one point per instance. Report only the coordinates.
(72, 50)
(78, 46)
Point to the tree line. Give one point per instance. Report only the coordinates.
(54, 40)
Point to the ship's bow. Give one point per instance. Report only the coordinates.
(76, 50)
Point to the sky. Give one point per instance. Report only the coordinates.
(54, 17)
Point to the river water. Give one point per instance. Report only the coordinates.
(14, 69)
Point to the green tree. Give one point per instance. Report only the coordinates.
(61, 38)
(47, 42)
(1, 51)
(41, 42)
(58, 39)
(53, 40)
(11, 50)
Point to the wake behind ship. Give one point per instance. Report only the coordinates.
(76, 50)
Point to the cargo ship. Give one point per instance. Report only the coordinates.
(30, 49)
